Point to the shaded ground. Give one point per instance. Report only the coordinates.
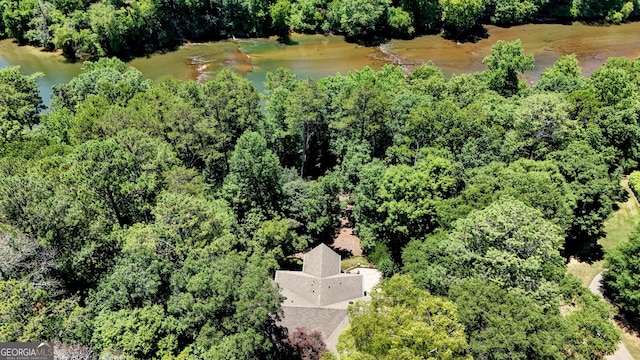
(346, 244)
(618, 228)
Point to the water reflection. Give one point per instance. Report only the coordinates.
(319, 55)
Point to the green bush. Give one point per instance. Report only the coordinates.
(622, 278)
(634, 182)
(379, 253)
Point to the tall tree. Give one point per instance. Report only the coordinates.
(366, 116)
(595, 190)
(542, 124)
(424, 14)
(32, 314)
(358, 17)
(405, 204)
(139, 333)
(254, 183)
(124, 174)
(403, 322)
(513, 12)
(306, 121)
(20, 104)
(110, 79)
(225, 303)
(538, 184)
(564, 76)
(507, 243)
(506, 60)
(505, 324)
(231, 104)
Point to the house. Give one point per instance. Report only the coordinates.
(318, 296)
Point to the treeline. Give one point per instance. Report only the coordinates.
(145, 219)
(91, 29)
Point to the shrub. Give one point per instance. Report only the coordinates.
(634, 182)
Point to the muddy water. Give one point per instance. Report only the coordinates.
(591, 44)
(308, 56)
(319, 55)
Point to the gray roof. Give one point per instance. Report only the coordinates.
(329, 322)
(320, 282)
(321, 262)
(324, 320)
(317, 297)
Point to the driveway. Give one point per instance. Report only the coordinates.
(622, 353)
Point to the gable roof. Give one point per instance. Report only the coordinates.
(317, 297)
(321, 262)
(320, 282)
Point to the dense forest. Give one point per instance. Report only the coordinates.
(90, 29)
(144, 219)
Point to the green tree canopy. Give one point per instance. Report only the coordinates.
(224, 303)
(595, 191)
(459, 16)
(506, 60)
(31, 314)
(403, 322)
(254, 183)
(538, 184)
(623, 273)
(358, 17)
(124, 174)
(564, 76)
(20, 104)
(110, 79)
(507, 324)
(507, 243)
(140, 333)
(402, 202)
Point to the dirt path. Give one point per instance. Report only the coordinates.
(346, 242)
(622, 353)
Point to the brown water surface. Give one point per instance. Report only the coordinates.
(319, 55)
(547, 42)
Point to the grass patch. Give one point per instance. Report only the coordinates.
(632, 343)
(618, 228)
(585, 271)
(353, 261)
(622, 223)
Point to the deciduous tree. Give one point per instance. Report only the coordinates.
(20, 104)
(459, 16)
(254, 183)
(404, 322)
(108, 78)
(507, 243)
(623, 273)
(506, 60)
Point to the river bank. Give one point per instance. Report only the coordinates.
(324, 55)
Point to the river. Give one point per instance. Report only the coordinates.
(320, 55)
